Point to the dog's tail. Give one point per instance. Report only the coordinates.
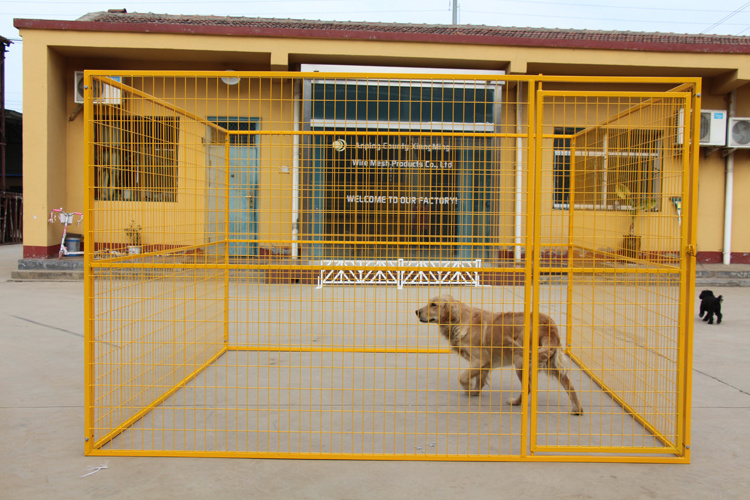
(720, 298)
(558, 361)
(552, 358)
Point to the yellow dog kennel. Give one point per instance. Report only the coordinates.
(257, 245)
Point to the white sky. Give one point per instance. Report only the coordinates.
(727, 17)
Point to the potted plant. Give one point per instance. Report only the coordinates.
(133, 232)
(636, 203)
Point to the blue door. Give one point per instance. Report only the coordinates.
(243, 200)
(243, 186)
(475, 220)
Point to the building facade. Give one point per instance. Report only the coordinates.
(121, 42)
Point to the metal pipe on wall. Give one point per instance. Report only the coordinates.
(519, 179)
(729, 189)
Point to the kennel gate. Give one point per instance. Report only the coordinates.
(295, 336)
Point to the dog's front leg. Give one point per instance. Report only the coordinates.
(481, 380)
(517, 401)
(518, 364)
(465, 380)
(475, 373)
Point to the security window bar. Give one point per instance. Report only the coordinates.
(613, 169)
(135, 158)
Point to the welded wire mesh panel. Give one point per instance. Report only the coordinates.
(155, 297)
(152, 335)
(615, 187)
(627, 337)
(376, 266)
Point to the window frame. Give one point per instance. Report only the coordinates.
(561, 170)
(325, 113)
(137, 153)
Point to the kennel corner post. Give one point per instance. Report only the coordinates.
(690, 155)
(89, 275)
(531, 267)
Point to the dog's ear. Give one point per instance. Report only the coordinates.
(450, 311)
(445, 312)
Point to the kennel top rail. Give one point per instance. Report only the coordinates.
(682, 83)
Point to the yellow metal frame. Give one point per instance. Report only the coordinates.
(689, 94)
(178, 279)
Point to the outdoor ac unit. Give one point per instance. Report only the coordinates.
(739, 133)
(104, 94)
(713, 127)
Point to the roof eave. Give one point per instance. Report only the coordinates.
(43, 24)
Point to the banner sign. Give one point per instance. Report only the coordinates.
(401, 200)
(394, 170)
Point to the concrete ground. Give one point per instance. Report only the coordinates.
(41, 430)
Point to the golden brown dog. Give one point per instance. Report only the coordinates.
(488, 340)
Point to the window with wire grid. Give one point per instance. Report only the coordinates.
(613, 168)
(135, 158)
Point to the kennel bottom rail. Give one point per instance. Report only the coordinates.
(540, 453)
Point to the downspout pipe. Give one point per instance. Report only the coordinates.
(519, 179)
(729, 188)
(728, 201)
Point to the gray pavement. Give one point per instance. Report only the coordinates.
(41, 430)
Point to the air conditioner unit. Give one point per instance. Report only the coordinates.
(103, 93)
(713, 127)
(739, 133)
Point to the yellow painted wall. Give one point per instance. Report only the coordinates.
(166, 223)
(45, 143)
(269, 102)
(603, 229)
(53, 144)
(741, 200)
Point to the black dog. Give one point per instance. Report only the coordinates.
(710, 305)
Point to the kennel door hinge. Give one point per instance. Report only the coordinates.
(691, 250)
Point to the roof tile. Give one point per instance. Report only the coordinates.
(429, 32)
